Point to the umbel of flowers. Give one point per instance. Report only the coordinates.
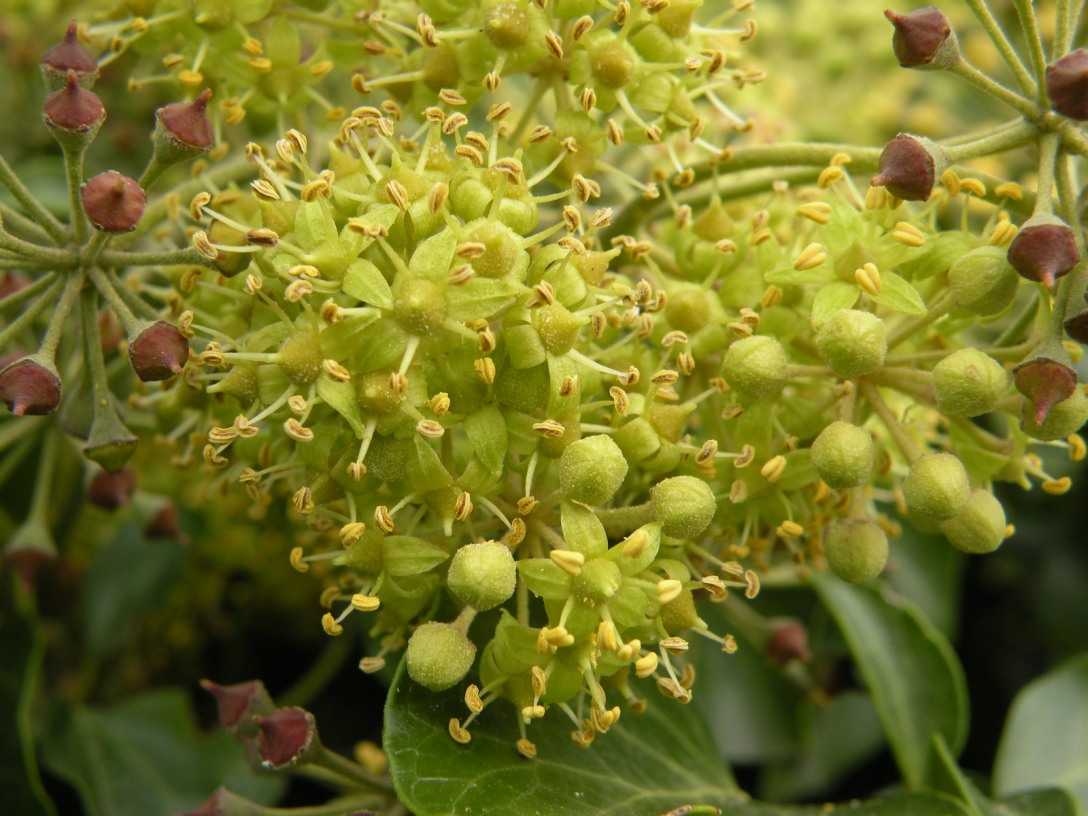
(525, 332)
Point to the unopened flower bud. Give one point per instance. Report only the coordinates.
(158, 352)
(113, 202)
(74, 110)
(111, 491)
(591, 470)
(843, 455)
(1064, 418)
(439, 655)
(856, 550)
(756, 367)
(1044, 249)
(1067, 85)
(937, 486)
(968, 383)
(482, 574)
(69, 55)
(238, 703)
(910, 166)
(852, 342)
(286, 736)
(983, 281)
(979, 527)
(683, 505)
(788, 642)
(186, 125)
(165, 524)
(923, 39)
(30, 387)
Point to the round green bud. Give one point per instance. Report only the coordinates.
(983, 281)
(755, 367)
(1065, 418)
(688, 308)
(419, 306)
(937, 486)
(968, 383)
(612, 63)
(683, 505)
(843, 455)
(852, 342)
(507, 24)
(592, 469)
(482, 574)
(300, 358)
(439, 655)
(979, 527)
(856, 550)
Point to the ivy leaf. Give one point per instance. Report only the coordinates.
(908, 667)
(645, 765)
(1051, 711)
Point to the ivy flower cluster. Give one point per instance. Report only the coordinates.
(533, 330)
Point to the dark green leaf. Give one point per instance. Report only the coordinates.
(1045, 742)
(644, 766)
(910, 670)
(21, 651)
(144, 757)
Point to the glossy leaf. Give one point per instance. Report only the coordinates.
(908, 667)
(644, 766)
(1045, 742)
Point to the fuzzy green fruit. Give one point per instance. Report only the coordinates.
(591, 470)
(439, 655)
(482, 574)
(755, 367)
(983, 281)
(684, 506)
(978, 528)
(843, 455)
(968, 383)
(937, 486)
(852, 342)
(1065, 418)
(856, 550)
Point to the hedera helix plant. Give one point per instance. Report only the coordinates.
(501, 302)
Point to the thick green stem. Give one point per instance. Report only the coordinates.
(1066, 25)
(1014, 100)
(119, 259)
(902, 440)
(1004, 46)
(998, 140)
(34, 208)
(15, 220)
(1048, 155)
(137, 304)
(73, 165)
(48, 349)
(344, 767)
(115, 301)
(1025, 10)
(25, 249)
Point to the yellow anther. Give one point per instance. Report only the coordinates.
(365, 603)
(868, 278)
(329, 624)
(1077, 447)
(352, 532)
(773, 469)
(790, 530)
(972, 186)
(908, 234)
(951, 181)
(818, 211)
(297, 560)
(751, 581)
(810, 257)
(829, 176)
(668, 589)
(370, 665)
(570, 561)
(1058, 487)
(1010, 190)
(646, 665)
(460, 734)
(674, 645)
(1004, 232)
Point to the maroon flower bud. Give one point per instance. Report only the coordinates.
(1043, 250)
(1076, 326)
(239, 703)
(29, 387)
(923, 39)
(1067, 85)
(12, 282)
(910, 166)
(74, 109)
(158, 351)
(29, 549)
(165, 524)
(788, 642)
(1045, 381)
(69, 55)
(111, 491)
(287, 735)
(113, 202)
(186, 124)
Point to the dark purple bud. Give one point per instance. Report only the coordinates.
(1043, 250)
(29, 387)
(186, 124)
(923, 39)
(74, 109)
(111, 491)
(1067, 85)
(909, 167)
(158, 352)
(287, 734)
(69, 55)
(113, 202)
(1076, 326)
(239, 703)
(788, 642)
(1046, 382)
(29, 549)
(165, 524)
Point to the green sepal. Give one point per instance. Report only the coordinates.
(425, 468)
(407, 555)
(582, 530)
(314, 225)
(633, 566)
(899, 296)
(365, 282)
(832, 297)
(433, 257)
(514, 646)
(523, 345)
(340, 396)
(486, 431)
(544, 578)
(630, 605)
(482, 297)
